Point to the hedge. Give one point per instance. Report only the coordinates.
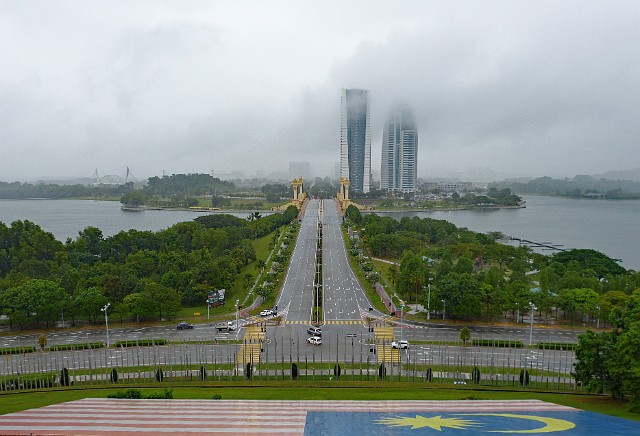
(141, 343)
(17, 350)
(556, 346)
(81, 346)
(497, 343)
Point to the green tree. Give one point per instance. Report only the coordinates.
(88, 302)
(133, 199)
(465, 335)
(36, 300)
(594, 354)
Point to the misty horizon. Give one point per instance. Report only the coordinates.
(499, 89)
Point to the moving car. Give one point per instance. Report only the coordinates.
(315, 340)
(403, 345)
(266, 312)
(226, 327)
(183, 325)
(315, 331)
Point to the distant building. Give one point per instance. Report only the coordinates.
(297, 169)
(448, 187)
(399, 152)
(355, 139)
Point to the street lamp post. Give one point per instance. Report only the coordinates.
(237, 313)
(444, 308)
(429, 300)
(401, 325)
(106, 320)
(598, 322)
(531, 329)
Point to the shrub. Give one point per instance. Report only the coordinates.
(294, 371)
(129, 393)
(64, 377)
(217, 397)
(114, 375)
(167, 394)
(337, 371)
(475, 375)
(382, 371)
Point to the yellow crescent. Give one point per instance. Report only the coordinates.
(551, 424)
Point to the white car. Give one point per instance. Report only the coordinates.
(266, 312)
(403, 345)
(315, 340)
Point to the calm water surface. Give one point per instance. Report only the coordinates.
(65, 218)
(612, 227)
(607, 226)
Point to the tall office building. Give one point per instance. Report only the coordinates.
(399, 152)
(355, 139)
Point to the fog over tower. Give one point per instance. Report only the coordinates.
(399, 151)
(355, 139)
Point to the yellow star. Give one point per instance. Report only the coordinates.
(435, 422)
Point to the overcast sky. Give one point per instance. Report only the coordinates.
(526, 88)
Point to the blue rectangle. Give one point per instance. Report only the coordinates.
(481, 423)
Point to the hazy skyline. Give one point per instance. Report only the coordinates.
(527, 88)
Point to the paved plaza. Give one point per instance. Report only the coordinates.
(236, 417)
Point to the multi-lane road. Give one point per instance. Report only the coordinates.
(344, 308)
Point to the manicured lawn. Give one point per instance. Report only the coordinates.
(301, 390)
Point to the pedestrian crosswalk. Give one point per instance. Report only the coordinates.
(383, 338)
(329, 321)
(251, 346)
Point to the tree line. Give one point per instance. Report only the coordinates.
(479, 278)
(145, 275)
(577, 187)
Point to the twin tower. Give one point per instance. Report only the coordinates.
(399, 145)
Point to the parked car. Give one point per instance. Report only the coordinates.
(266, 312)
(183, 325)
(315, 331)
(315, 340)
(403, 345)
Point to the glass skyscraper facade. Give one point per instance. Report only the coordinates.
(355, 139)
(399, 152)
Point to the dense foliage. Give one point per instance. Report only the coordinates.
(143, 274)
(478, 278)
(185, 185)
(610, 361)
(17, 190)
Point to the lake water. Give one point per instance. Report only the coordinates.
(607, 226)
(65, 218)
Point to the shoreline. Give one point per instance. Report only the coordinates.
(444, 209)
